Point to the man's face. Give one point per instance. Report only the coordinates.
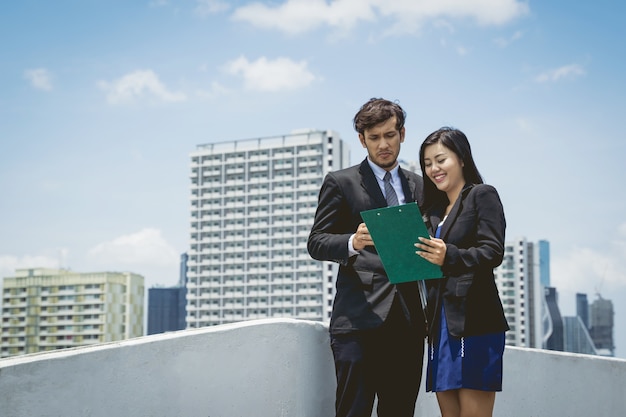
(383, 143)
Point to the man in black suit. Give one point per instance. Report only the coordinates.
(376, 329)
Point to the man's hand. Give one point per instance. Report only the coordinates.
(362, 238)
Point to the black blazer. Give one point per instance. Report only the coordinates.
(364, 294)
(474, 236)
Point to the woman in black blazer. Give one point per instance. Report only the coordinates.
(465, 314)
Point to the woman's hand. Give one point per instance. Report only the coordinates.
(433, 250)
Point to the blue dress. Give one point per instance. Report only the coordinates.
(473, 362)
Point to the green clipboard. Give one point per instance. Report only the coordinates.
(394, 231)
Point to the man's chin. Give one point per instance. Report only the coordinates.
(387, 164)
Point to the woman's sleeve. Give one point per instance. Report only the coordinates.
(487, 248)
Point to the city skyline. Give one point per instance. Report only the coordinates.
(102, 103)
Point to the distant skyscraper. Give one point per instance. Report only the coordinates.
(584, 334)
(544, 262)
(518, 282)
(582, 308)
(554, 337)
(48, 309)
(577, 339)
(182, 294)
(576, 329)
(536, 296)
(167, 306)
(252, 207)
(164, 310)
(601, 326)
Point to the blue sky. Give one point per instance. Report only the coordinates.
(101, 103)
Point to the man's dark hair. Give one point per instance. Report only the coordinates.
(376, 111)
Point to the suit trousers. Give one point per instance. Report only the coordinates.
(385, 362)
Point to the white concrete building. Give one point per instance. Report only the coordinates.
(252, 207)
(49, 309)
(521, 293)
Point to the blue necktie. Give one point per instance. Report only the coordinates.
(390, 193)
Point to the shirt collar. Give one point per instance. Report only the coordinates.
(380, 172)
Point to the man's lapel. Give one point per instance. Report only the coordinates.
(407, 186)
(370, 184)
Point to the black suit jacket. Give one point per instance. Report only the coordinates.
(364, 294)
(474, 236)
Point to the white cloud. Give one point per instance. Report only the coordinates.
(208, 7)
(40, 78)
(462, 51)
(524, 124)
(588, 270)
(216, 90)
(146, 247)
(136, 85)
(9, 263)
(298, 16)
(564, 72)
(271, 75)
(145, 252)
(504, 42)
(444, 25)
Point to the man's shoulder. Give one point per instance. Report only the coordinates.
(412, 175)
(346, 172)
(362, 169)
(409, 173)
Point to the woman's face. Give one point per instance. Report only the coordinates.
(444, 168)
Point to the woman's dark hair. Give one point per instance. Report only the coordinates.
(457, 142)
(378, 110)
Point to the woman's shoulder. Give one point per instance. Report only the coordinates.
(482, 194)
(482, 189)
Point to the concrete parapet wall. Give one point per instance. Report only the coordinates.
(268, 368)
(540, 383)
(271, 368)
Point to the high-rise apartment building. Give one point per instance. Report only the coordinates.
(252, 207)
(48, 309)
(521, 293)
